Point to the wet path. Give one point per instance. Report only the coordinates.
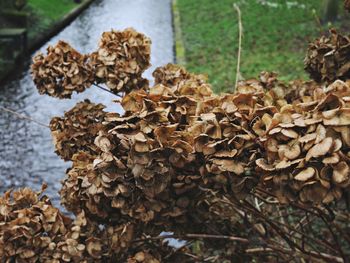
(27, 155)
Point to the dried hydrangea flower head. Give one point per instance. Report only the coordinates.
(121, 59)
(61, 72)
(29, 225)
(181, 82)
(327, 58)
(347, 5)
(78, 128)
(307, 148)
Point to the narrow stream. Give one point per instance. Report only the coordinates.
(27, 155)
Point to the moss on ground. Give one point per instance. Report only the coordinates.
(275, 37)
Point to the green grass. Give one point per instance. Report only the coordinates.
(44, 13)
(275, 38)
(52, 9)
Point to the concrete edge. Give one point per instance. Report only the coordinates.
(179, 47)
(45, 36)
(58, 26)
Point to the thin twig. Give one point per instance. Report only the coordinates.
(22, 116)
(312, 253)
(240, 27)
(198, 259)
(304, 222)
(318, 21)
(102, 88)
(267, 219)
(25, 117)
(270, 202)
(335, 237)
(285, 235)
(195, 236)
(273, 225)
(282, 218)
(258, 250)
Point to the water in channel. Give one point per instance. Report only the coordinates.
(27, 155)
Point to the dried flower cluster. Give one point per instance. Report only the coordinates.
(328, 57)
(61, 72)
(119, 62)
(32, 230)
(307, 147)
(183, 159)
(121, 59)
(178, 137)
(133, 175)
(347, 5)
(77, 130)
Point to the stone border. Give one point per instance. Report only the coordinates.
(179, 47)
(58, 26)
(45, 36)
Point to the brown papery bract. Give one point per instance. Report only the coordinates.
(327, 58)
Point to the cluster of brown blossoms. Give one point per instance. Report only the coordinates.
(119, 62)
(63, 71)
(347, 5)
(121, 59)
(32, 230)
(328, 57)
(306, 146)
(74, 132)
(179, 156)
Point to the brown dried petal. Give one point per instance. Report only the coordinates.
(305, 175)
(320, 149)
(340, 173)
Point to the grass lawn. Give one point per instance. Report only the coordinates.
(53, 9)
(46, 12)
(275, 37)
